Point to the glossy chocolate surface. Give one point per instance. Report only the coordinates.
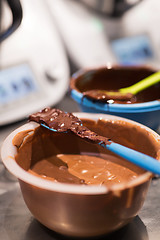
(83, 169)
(53, 155)
(113, 79)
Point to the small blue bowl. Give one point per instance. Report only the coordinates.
(147, 112)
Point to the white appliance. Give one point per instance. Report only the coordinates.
(93, 38)
(34, 69)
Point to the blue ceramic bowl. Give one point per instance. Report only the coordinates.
(147, 112)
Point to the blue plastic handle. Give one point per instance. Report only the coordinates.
(142, 160)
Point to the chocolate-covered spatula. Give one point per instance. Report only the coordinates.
(59, 121)
(124, 94)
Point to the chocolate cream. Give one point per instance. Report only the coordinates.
(93, 83)
(65, 157)
(83, 169)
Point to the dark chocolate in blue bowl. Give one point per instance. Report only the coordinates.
(145, 107)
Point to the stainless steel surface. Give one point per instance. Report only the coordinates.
(17, 223)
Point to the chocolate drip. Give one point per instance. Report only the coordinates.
(62, 122)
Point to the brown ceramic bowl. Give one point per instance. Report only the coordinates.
(83, 210)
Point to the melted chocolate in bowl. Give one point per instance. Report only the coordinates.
(66, 158)
(113, 79)
(77, 209)
(84, 169)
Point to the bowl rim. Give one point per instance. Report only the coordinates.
(110, 107)
(8, 151)
(120, 108)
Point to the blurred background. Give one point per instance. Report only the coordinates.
(43, 42)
